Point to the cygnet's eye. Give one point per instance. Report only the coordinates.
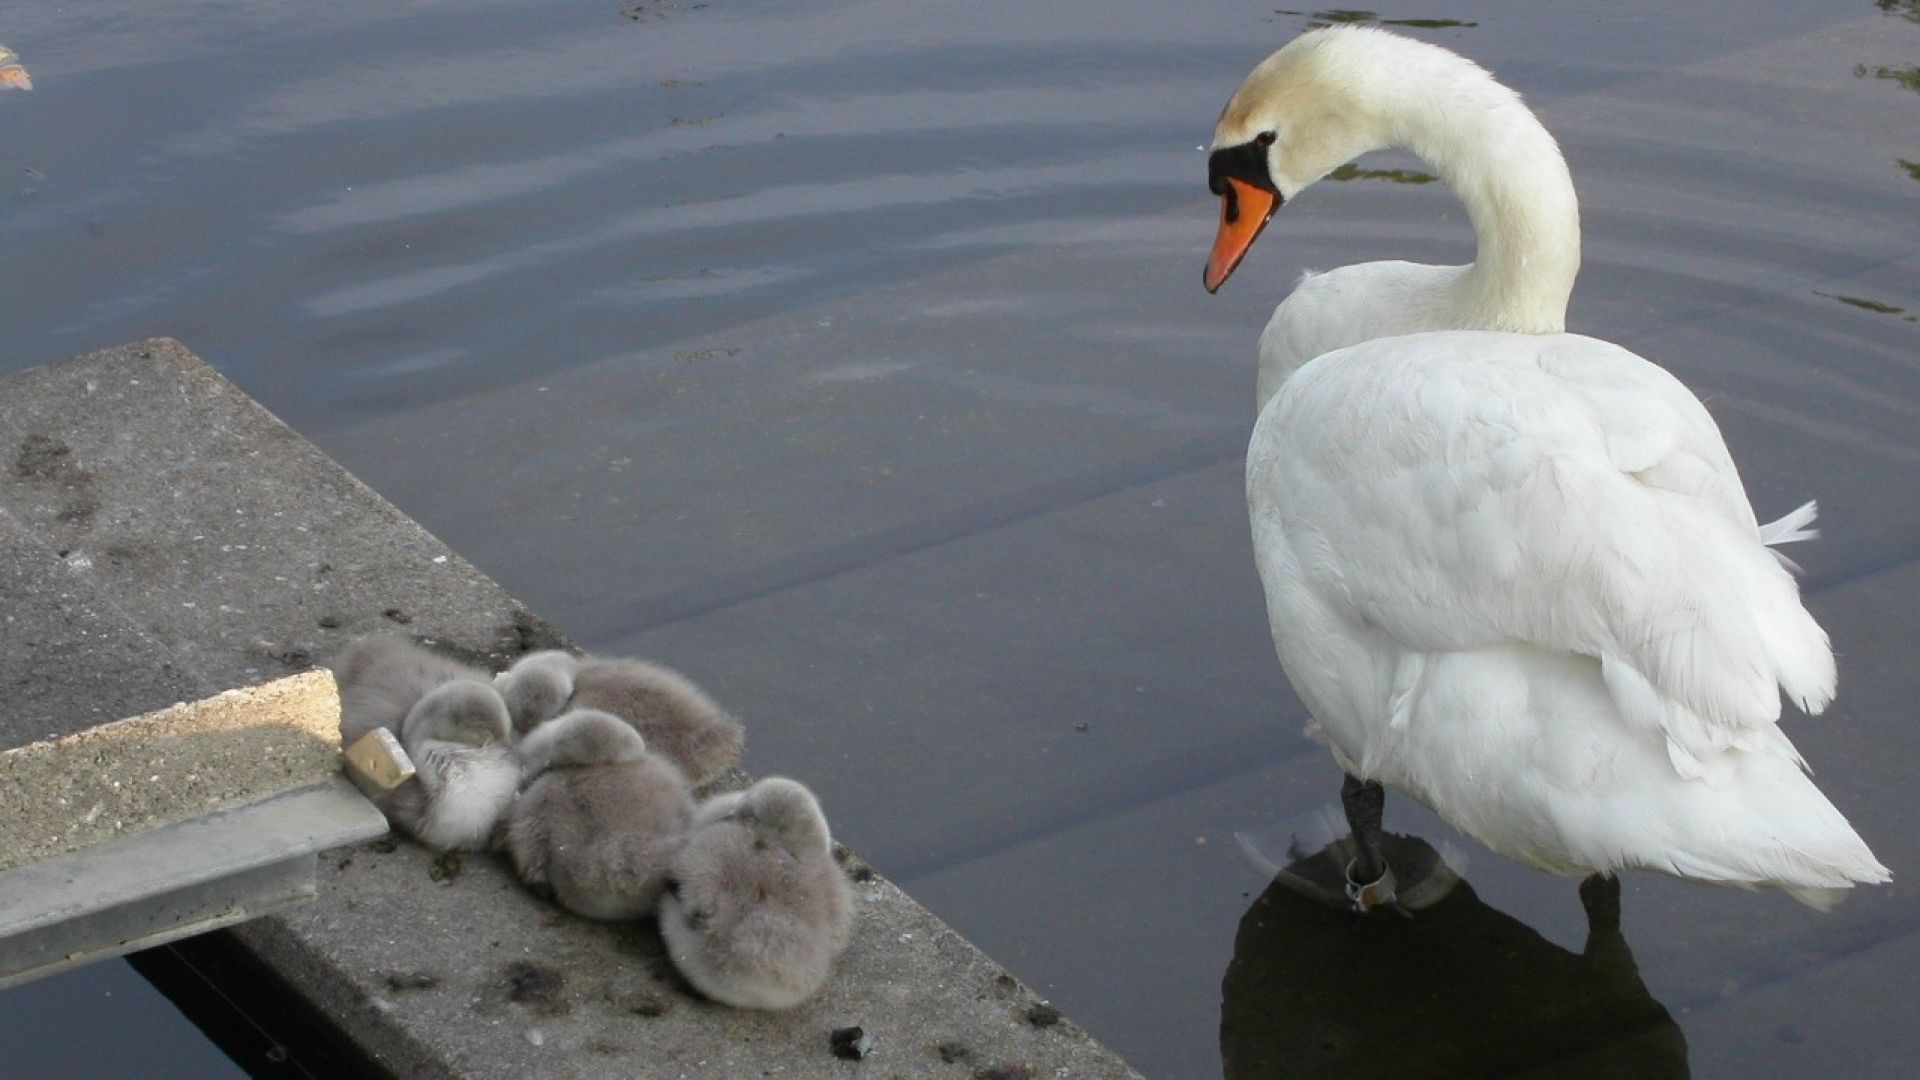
(1264, 139)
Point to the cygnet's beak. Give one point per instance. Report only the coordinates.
(1244, 211)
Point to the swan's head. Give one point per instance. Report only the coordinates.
(1315, 105)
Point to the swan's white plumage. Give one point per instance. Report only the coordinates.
(1516, 574)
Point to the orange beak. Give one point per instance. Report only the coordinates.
(1244, 211)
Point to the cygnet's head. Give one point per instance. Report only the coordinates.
(537, 687)
(463, 711)
(785, 811)
(581, 737)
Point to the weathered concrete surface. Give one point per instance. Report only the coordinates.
(239, 746)
(241, 550)
(170, 881)
(69, 658)
(219, 531)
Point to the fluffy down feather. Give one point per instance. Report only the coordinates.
(600, 819)
(758, 910)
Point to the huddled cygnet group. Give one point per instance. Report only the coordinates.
(582, 771)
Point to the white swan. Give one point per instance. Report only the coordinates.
(1511, 571)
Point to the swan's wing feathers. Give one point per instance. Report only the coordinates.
(1656, 430)
(1467, 493)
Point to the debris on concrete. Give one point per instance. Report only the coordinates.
(445, 868)
(410, 980)
(539, 987)
(851, 1043)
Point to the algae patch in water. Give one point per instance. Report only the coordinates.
(1864, 304)
(1907, 78)
(1351, 171)
(1905, 9)
(1912, 167)
(1336, 16)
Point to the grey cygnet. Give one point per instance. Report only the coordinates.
(677, 719)
(465, 770)
(381, 677)
(601, 817)
(537, 687)
(758, 910)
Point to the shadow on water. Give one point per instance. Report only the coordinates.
(1458, 989)
(1339, 16)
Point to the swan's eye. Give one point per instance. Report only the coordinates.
(1264, 139)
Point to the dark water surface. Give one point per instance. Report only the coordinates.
(853, 357)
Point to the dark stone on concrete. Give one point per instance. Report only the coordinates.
(851, 1043)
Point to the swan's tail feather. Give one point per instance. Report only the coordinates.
(1791, 528)
(1785, 835)
(1802, 655)
(1819, 884)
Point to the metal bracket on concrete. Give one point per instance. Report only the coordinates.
(175, 880)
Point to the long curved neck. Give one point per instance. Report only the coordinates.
(1506, 168)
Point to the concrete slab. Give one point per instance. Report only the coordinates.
(163, 503)
(174, 880)
(469, 975)
(69, 658)
(118, 779)
(447, 968)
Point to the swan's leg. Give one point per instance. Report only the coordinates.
(1600, 896)
(1369, 880)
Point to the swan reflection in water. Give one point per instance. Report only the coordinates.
(1456, 990)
